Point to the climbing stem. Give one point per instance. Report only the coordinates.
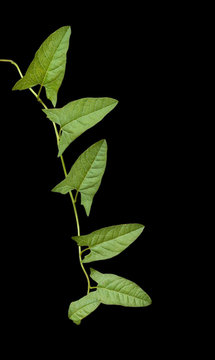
(12, 62)
(32, 91)
(63, 165)
(87, 277)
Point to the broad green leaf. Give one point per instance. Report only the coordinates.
(116, 290)
(81, 308)
(86, 174)
(108, 242)
(78, 116)
(48, 66)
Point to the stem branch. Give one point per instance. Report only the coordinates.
(63, 165)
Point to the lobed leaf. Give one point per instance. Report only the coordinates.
(86, 174)
(81, 308)
(78, 116)
(48, 66)
(108, 242)
(116, 290)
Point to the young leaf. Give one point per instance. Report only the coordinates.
(116, 290)
(81, 308)
(86, 174)
(108, 242)
(78, 116)
(48, 66)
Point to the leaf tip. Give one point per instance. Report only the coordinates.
(104, 141)
(140, 227)
(76, 322)
(45, 111)
(75, 238)
(60, 152)
(67, 28)
(148, 301)
(16, 86)
(115, 103)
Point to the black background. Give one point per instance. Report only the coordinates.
(113, 52)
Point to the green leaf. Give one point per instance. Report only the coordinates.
(116, 290)
(48, 66)
(86, 174)
(81, 308)
(108, 242)
(78, 116)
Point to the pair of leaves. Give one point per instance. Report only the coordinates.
(103, 244)
(48, 66)
(111, 290)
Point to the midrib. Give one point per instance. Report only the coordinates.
(54, 52)
(89, 168)
(78, 118)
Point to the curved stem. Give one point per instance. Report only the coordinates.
(76, 195)
(15, 64)
(85, 250)
(81, 263)
(64, 169)
(33, 92)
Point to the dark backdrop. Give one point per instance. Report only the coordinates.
(113, 52)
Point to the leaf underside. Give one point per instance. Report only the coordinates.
(81, 308)
(108, 242)
(116, 290)
(78, 116)
(86, 174)
(48, 66)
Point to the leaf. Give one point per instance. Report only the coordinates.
(78, 116)
(81, 308)
(48, 66)
(86, 174)
(116, 290)
(108, 242)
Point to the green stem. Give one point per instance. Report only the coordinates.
(76, 195)
(64, 169)
(38, 95)
(12, 62)
(81, 263)
(78, 228)
(85, 250)
(32, 91)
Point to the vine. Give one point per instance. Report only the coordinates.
(47, 69)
